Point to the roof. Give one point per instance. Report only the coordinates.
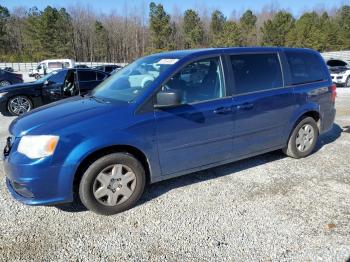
(207, 51)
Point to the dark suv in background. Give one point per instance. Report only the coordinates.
(108, 68)
(8, 78)
(20, 98)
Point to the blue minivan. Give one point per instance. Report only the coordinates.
(166, 115)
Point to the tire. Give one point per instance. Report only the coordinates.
(295, 147)
(112, 184)
(347, 82)
(37, 76)
(18, 105)
(5, 83)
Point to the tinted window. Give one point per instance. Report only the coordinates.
(199, 81)
(256, 72)
(59, 77)
(100, 76)
(55, 65)
(305, 67)
(108, 69)
(87, 75)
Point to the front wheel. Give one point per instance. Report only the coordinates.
(19, 105)
(112, 184)
(303, 139)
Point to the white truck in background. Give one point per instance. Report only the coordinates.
(47, 66)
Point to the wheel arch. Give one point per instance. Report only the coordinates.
(93, 156)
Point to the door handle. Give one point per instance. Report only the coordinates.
(222, 110)
(245, 106)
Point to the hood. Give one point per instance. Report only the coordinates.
(338, 69)
(19, 86)
(64, 114)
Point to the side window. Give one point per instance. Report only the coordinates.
(305, 67)
(256, 72)
(59, 77)
(108, 69)
(55, 65)
(199, 81)
(100, 76)
(86, 75)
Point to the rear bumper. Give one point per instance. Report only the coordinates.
(327, 120)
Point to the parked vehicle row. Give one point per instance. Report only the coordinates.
(167, 115)
(20, 98)
(8, 78)
(340, 72)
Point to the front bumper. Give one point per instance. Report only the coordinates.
(339, 79)
(36, 182)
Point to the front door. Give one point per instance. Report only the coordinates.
(52, 87)
(199, 131)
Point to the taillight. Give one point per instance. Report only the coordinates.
(334, 92)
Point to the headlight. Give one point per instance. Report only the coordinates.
(37, 146)
(2, 94)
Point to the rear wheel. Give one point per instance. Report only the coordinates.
(112, 184)
(347, 83)
(19, 105)
(37, 76)
(303, 139)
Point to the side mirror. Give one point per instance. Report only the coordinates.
(168, 98)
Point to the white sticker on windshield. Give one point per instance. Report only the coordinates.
(167, 61)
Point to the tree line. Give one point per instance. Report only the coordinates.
(81, 34)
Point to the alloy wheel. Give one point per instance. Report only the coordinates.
(19, 105)
(5, 83)
(114, 185)
(305, 138)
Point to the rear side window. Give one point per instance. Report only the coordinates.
(108, 69)
(305, 67)
(87, 75)
(256, 72)
(55, 65)
(100, 76)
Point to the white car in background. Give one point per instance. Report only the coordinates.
(47, 66)
(340, 71)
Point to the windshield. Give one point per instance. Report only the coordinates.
(133, 79)
(45, 77)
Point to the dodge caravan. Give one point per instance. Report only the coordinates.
(166, 115)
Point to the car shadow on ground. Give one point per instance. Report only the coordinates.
(160, 188)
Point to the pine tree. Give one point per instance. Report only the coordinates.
(193, 29)
(160, 27)
(248, 28)
(275, 30)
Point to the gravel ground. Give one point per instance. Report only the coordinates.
(264, 208)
